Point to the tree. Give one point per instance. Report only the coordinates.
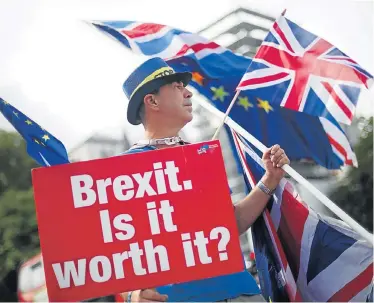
(15, 163)
(18, 228)
(354, 194)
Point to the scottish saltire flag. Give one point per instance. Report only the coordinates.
(157, 40)
(300, 254)
(216, 74)
(43, 147)
(307, 73)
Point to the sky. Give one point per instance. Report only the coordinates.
(67, 76)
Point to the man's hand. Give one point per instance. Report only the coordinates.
(248, 210)
(148, 295)
(274, 158)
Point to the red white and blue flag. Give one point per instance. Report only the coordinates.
(141, 36)
(306, 256)
(168, 43)
(307, 73)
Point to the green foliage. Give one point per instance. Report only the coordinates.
(18, 228)
(15, 163)
(355, 193)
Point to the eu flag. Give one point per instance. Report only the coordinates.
(302, 136)
(43, 147)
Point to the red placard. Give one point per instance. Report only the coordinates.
(136, 221)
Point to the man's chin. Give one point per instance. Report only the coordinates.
(189, 117)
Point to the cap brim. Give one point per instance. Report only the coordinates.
(138, 97)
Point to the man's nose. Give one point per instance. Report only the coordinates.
(187, 94)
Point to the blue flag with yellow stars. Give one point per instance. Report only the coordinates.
(41, 145)
(301, 136)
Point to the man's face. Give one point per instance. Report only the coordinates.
(174, 103)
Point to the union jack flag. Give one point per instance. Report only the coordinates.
(308, 73)
(307, 257)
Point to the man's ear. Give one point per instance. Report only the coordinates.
(151, 102)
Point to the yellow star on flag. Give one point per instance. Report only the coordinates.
(219, 93)
(243, 101)
(45, 137)
(15, 113)
(198, 78)
(28, 122)
(36, 141)
(6, 103)
(265, 105)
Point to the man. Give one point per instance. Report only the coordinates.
(159, 99)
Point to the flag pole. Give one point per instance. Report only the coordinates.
(226, 115)
(294, 174)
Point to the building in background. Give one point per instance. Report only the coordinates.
(99, 146)
(241, 31)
